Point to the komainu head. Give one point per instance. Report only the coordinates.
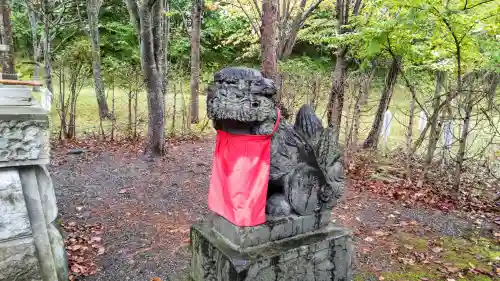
(241, 94)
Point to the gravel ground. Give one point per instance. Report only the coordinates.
(147, 208)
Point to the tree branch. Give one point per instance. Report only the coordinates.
(310, 10)
(257, 8)
(252, 22)
(475, 5)
(357, 7)
(133, 10)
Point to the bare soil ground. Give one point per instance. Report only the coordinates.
(145, 209)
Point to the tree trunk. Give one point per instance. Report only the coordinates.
(268, 38)
(72, 105)
(33, 19)
(365, 82)
(464, 132)
(336, 101)
(195, 60)
(390, 80)
(149, 22)
(409, 136)
(366, 90)
(435, 125)
(93, 7)
(47, 45)
(492, 81)
(62, 104)
(8, 63)
(288, 32)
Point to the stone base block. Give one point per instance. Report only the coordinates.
(274, 229)
(322, 255)
(18, 260)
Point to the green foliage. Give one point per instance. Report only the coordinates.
(305, 65)
(416, 30)
(319, 31)
(21, 31)
(77, 52)
(119, 42)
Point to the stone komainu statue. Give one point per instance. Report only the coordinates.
(306, 174)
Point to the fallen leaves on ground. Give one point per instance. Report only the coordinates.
(83, 244)
(390, 180)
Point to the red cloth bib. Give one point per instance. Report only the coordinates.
(240, 177)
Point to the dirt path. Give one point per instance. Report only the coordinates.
(146, 209)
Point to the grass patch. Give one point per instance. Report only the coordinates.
(416, 243)
(478, 252)
(471, 258)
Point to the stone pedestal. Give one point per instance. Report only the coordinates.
(291, 248)
(31, 246)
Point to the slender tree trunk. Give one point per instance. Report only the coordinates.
(364, 86)
(435, 124)
(33, 19)
(8, 63)
(129, 125)
(390, 80)
(195, 60)
(464, 132)
(336, 100)
(465, 129)
(268, 39)
(409, 136)
(492, 79)
(366, 89)
(93, 7)
(47, 45)
(62, 104)
(72, 109)
(147, 17)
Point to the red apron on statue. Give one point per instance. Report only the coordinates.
(240, 176)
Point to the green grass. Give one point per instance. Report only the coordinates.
(87, 116)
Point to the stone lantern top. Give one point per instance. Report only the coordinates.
(24, 124)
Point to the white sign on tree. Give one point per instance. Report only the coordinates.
(386, 129)
(448, 134)
(423, 121)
